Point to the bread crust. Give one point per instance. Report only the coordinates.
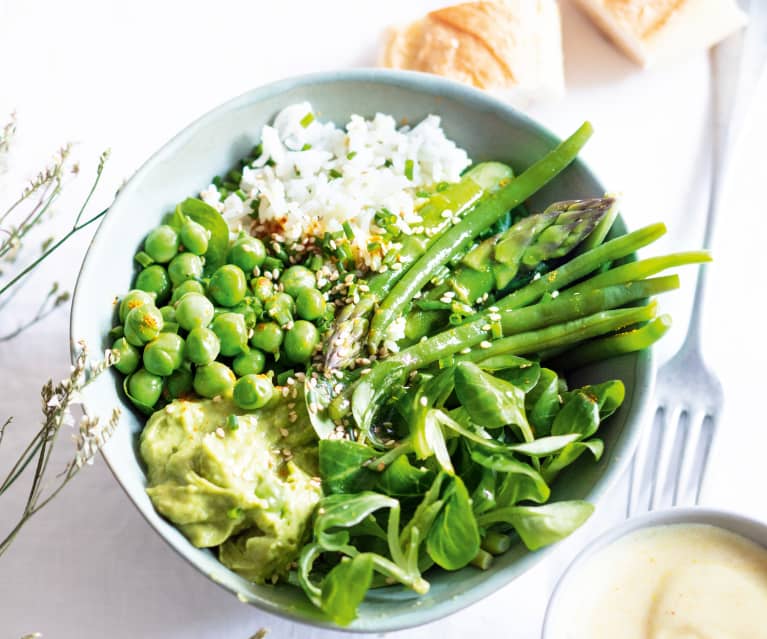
(491, 44)
(650, 31)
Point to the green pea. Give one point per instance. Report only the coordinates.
(179, 384)
(280, 308)
(189, 286)
(247, 253)
(228, 285)
(253, 391)
(195, 237)
(263, 288)
(129, 356)
(183, 267)
(310, 303)
(164, 354)
(145, 387)
(250, 363)
(194, 310)
(267, 336)
(168, 314)
(297, 277)
(143, 324)
(232, 333)
(213, 379)
(154, 279)
(162, 244)
(202, 346)
(250, 308)
(300, 341)
(132, 300)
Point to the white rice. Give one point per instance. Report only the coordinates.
(313, 176)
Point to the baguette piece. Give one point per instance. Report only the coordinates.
(651, 31)
(510, 45)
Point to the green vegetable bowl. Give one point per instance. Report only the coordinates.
(489, 130)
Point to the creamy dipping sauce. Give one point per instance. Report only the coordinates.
(683, 581)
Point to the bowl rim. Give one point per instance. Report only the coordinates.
(726, 519)
(418, 82)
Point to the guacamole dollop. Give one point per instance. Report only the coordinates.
(246, 484)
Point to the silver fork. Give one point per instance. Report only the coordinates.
(670, 462)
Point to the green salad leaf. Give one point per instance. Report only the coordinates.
(453, 539)
(218, 242)
(344, 588)
(539, 526)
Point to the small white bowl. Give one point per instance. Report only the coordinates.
(749, 528)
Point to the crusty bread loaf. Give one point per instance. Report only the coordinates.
(650, 31)
(511, 45)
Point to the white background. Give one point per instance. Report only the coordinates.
(130, 75)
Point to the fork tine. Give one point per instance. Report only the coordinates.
(686, 469)
(639, 470)
(708, 426)
(669, 428)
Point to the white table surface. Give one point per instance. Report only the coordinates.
(130, 75)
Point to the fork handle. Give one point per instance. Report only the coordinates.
(739, 55)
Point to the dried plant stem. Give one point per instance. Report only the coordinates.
(57, 401)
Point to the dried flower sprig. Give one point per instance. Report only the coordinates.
(92, 433)
(6, 135)
(27, 212)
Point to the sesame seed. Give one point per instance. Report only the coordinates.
(220, 433)
(284, 432)
(292, 417)
(486, 327)
(423, 401)
(485, 344)
(465, 351)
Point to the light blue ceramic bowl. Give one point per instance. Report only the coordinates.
(489, 130)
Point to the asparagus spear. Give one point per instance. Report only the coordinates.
(458, 237)
(352, 322)
(524, 247)
(612, 346)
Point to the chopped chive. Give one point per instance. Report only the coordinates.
(373, 246)
(306, 147)
(315, 263)
(307, 119)
(143, 259)
(217, 181)
(234, 513)
(388, 164)
(442, 186)
(282, 378)
(446, 362)
(409, 169)
(335, 174)
(348, 230)
(241, 194)
(423, 194)
(497, 330)
(257, 151)
(271, 263)
(232, 422)
(223, 192)
(235, 176)
(350, 155)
